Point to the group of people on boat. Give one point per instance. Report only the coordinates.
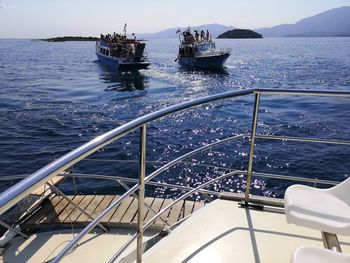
(187, 51)
(120, 45)
(201, 36)
(114, 38)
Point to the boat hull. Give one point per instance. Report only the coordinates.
(120, 64)
(204, 62)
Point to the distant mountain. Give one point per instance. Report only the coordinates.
(214, 29)
(335, 22)
(240, 33)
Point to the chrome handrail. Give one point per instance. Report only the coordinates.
(24, 187)
(182, 187)
(304, 92)
(252, 145)
(257, 92)
(132, 190)
(297, 139)
(133, 180)
(17, 192)
(150, 222)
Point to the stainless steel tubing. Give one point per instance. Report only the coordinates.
(297, 139)
(252, 144)
(191, 192)
(122, 249)
(141, 194)
(17, 192)
(304, 92)
(132, 180)
(31, 183)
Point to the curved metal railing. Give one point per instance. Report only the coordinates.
(16, 193)
(42, 176)
(23, 188)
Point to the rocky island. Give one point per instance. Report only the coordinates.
(70, 38)
(240, 33)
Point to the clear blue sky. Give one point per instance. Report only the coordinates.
(48, 18)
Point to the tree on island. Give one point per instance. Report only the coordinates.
(70, 38)
(240, 33)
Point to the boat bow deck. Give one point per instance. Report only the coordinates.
(223, 231)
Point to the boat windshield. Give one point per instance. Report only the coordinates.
(206, 47)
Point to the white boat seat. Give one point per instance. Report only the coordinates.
(308, 254)
(327, 210)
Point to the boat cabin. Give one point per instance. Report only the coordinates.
(104, 51)
(205, 46)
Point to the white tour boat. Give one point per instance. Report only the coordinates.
(117, 51)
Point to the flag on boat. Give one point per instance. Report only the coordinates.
(178, 31)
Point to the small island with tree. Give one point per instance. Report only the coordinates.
(240, 33)
(70, 38)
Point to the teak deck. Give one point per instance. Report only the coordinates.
(57, 211)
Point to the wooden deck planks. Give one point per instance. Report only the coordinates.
(76, 212)
(197, 205)
(121, 210)
(109, 215)
(148, 214)
(57, 211)
(69, 210)
(156, 206)
(93, 204)
(131, 212)
(175, 213)
(187, 208)
(107, 200)
(165, 214)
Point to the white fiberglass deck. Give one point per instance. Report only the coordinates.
(43, 247)
(219, 232)
(224, 232)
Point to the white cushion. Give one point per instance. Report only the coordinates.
(317, 209)
(307, 254)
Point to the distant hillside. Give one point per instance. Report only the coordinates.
(214, 29)
(335, 22)
(240, 33)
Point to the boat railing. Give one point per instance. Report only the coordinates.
(225, 50)
(20, 190)
(213, 52)
(17, 192)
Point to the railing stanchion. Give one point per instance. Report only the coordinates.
(141, 194)
(252, 143)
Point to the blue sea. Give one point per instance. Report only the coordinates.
(57, 96)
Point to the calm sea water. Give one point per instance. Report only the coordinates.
(56, 96)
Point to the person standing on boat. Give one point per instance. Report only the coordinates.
(196, 34)
(125, 30)
(202, 35)
(186, 37)
(208, 35)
